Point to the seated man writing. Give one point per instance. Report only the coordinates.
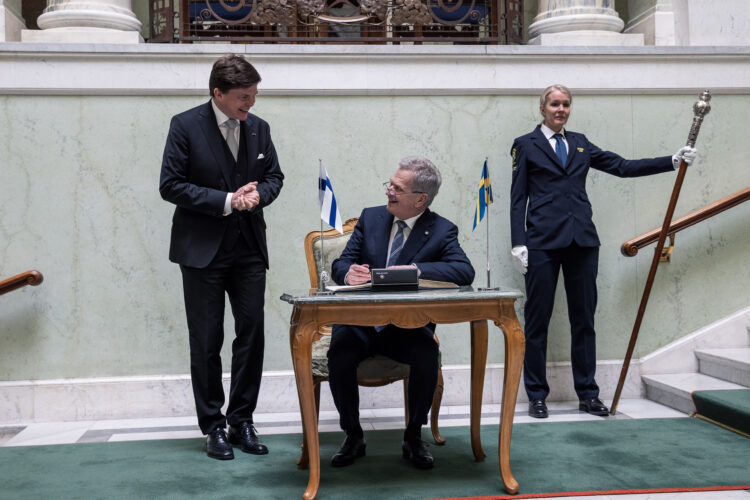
(403, 233)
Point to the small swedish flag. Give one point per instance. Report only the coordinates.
(484, 196)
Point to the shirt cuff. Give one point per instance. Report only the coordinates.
(228, 205)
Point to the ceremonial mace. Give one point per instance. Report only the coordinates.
(700, 109)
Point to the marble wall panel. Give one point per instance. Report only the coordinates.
(79, 201)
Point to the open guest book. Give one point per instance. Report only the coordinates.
(423, 285)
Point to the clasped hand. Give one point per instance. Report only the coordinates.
(246, 197)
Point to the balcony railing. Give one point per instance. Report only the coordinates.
(339, 21)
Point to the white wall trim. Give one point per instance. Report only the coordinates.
(302, 70)
(23, 402)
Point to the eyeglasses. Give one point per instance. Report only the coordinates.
(397, 191)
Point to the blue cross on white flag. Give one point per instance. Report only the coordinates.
(329, 211)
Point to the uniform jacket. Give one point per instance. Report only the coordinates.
(549, 207)
(198, 171)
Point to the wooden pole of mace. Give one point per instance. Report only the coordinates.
(700, 109)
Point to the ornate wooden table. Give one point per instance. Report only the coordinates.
(411, 310)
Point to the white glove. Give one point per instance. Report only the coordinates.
(520, 258)
(685, 153)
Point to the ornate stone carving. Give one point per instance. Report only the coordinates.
(410, 12)
(377, 8)
(310, 7)
(279, 12)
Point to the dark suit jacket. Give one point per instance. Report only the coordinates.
(559, 212)
(432, 245)
(198, 171)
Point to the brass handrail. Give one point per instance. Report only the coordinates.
(32, 278)
(630, 248)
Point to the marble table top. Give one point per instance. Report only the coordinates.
(302, 297)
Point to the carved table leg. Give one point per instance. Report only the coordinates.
(301, 334)
(514, 351)
(478, 364)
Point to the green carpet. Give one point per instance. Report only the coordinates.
(727, 407)
(546, 457)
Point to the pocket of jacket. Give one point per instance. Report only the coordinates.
(541, 201)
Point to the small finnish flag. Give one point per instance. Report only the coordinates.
(329, 211)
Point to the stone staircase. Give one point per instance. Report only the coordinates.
(716, 357)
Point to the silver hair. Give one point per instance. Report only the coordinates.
(560, 88)
(427, 177)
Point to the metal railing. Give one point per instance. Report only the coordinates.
(338, 21)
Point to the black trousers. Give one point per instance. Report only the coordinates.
(239, 271)
(580, 267)
(351, 344)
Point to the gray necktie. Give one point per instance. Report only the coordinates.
(231, 138)
(397, 245)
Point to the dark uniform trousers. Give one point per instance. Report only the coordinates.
(579, 267)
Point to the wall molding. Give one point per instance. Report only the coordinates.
(310, 70)
(23, 402)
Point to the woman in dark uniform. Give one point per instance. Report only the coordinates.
(552, 228)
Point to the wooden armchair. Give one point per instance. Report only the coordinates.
(374, 371)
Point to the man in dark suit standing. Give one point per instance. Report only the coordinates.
(402, 233)
(220, 169)
(551, 227)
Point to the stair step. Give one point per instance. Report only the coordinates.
(731, 364)
(728, 408)
(675, 389)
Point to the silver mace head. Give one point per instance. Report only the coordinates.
(700, 109)
(702, 106)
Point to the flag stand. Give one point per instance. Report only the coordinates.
(489, 287)
(323, 278)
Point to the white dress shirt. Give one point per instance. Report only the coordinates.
(549, 134)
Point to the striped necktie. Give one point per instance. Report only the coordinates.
(397, 245)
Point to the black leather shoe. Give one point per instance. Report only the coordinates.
(538, 408)
(415, 450)
(351, 449)
(593, 406)
(217, 445)
(246, 436)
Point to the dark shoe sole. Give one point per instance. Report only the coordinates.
(220, 457)
(591, 412)
(418, 465)
(350, 461)
(236, 441)
(538, 415)
(254, 451)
